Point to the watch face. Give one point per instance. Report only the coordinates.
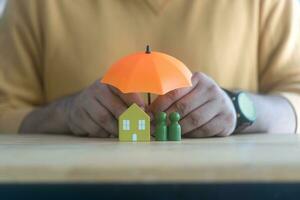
(246, 107)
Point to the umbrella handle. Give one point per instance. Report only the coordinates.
(149, 98)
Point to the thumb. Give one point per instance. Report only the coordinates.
(129, 98)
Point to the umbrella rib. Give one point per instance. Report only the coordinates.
(132, 74)
(158, 77)
(178, 70)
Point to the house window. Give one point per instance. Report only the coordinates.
(142, 125)
(134, 137)
(126, 125)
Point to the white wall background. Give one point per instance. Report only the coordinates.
(2, 6)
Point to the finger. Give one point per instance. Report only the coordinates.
(108, 99)
(200, 116)
(190, 102)
(128, 98)
(76, 130)
(101, 133)
(215, 127)
(93, 129)
(73, 126)
(101, 116)
(163, 102)
(204, 90)
(82, 120)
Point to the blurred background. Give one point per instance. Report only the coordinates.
(3, 2)
(2, 5)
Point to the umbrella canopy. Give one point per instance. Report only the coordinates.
(149, 72)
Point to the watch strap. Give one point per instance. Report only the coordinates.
(242, 122)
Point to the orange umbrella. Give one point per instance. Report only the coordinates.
(151, 72)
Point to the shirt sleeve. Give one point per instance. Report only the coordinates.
(20, 64)
(279, 51)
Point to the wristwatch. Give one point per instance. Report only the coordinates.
(244, 107)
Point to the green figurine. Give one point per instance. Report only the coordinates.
(161, 127)
(174, 130)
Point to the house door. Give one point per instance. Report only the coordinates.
(134, 137)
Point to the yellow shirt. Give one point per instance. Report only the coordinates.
(52, 48)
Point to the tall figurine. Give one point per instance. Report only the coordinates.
(174, 130)
(161, 127)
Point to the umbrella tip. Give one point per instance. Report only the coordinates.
(148, 50)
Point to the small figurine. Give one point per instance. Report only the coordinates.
(174, 129)
(161, 127)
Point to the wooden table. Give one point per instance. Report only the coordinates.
(241, 158)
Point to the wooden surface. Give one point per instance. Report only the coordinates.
(48, 158)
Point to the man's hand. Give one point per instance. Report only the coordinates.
(95, 111)
(205, 108)
(92, 112)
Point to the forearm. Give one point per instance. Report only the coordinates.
(274, 115)
(48, 119)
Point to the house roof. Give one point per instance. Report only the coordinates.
(134, 110)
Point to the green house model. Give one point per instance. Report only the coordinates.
(134, 125)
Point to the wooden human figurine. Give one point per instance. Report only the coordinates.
(161, 127)
(174, 129)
